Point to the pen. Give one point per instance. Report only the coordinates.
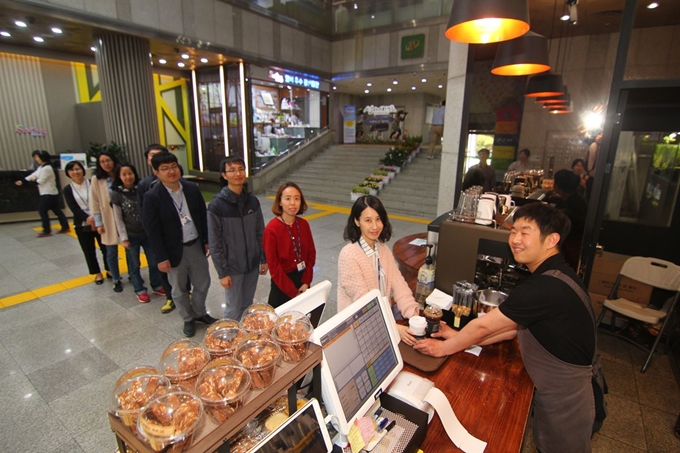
(391, 425)
(378, 412)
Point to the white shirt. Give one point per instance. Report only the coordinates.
(81, 193)
(189, 231)
(47, 182)
(438, 116)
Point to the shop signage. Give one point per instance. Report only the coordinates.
(32, 131)
(349, 124)
(413, 46)
(378, 111)
(293, 79)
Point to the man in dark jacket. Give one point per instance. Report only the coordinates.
(175, 220)
(235, 228)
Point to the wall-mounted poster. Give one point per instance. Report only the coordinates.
(349, 124)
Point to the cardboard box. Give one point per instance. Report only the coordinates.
(606, 268)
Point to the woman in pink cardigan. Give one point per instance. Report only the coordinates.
(360, 262)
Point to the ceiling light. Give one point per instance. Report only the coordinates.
(38, 39)
(56, 30)
(93, 49)
(554, 100)
(19, 23)
(356, 6)
(653, 5)
(204, 60)
(5, 34)
(543, 85)
(423, 80)
(389, 90)
(334, 87)
(366, 91)
(440, 86)
(369, 84)
(485, 21)
(162, 60)
(180, 64)
(185, 56)
(413, 88)
(521, 56)
(395, 81)
(372, 16)
(565, 18)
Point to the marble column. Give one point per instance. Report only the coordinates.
(453, 118)
(128, 98)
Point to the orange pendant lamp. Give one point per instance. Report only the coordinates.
(485, 21)
(560, 109)
(525, 55)
(543, 85)
(553, 100)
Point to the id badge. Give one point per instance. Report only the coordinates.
(301, 266)
(186, 220)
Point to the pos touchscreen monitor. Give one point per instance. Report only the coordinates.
(360, 358)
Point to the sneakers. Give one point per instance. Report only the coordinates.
(189, 329)
(206, 319)
(168, 307)
(143, 298)
(43, 235)
(158, 292)
(118, 287)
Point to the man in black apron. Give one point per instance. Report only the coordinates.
(552, 317)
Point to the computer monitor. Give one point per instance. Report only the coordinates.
(360, 358)
(312, 302)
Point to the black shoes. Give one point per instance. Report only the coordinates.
(189, 329)
(118, 287)
(206, 319)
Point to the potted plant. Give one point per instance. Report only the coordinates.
(96, 148)
(382, 173)
(358, 192)
(379, 180)
(371, 186)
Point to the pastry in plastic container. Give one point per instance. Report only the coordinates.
(259, 355)
(259, 307)
(170, 419)
(292, 332)
(132, 394)
(137, 371)
(221, 324)
(223, 342)
(222, 386)
(258, 320)
(183, 361)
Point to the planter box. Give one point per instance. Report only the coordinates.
(355, 196)
(373, 192)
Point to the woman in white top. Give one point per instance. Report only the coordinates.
(49, 194)
(523, 163)
(77, 196)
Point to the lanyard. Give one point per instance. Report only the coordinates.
(87, 194)
(297, 248)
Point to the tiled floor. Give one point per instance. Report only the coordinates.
(61, 352)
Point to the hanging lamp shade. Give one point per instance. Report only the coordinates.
(553, 100)
(543, 85)
(485, 21)
(560, 109)
(525, 55)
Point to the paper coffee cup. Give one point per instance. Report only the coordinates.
(417, 326)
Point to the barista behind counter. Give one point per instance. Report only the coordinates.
(556, 331)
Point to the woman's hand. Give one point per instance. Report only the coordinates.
(126, 244)
(102, 230)
(406, 335)
(90, 221)
(303, 288)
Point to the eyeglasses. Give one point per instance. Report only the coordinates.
(167, 168)
(235, 171)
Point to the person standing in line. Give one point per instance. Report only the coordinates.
(100, 207)
(131, 232)
(235, 227)
(289, 246)
(484, 167)
(77, 196)
(49, 193)
(591, 156)
(175, 221)
(143, 187)
(522, 162)
(437, 128)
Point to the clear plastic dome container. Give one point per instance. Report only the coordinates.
(259, 354)
(258, 320)
(132, 394)
(292, 332)
(170, 419)
(222, 386)
(224, 341)
(259, 307)
(183, 361)
(221, 324)
(137, 371)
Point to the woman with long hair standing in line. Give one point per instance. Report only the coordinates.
(367, 262)
(100, 206)
(49, 193)
(77, 196)
(289, 246)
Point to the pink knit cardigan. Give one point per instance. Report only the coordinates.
(356, 277)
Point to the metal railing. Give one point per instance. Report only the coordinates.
(288, 151)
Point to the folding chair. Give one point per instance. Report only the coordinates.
(654, 272)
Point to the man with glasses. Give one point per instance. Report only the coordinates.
(175, 220)
(235, 229)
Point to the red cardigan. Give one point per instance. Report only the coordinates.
(281, 257)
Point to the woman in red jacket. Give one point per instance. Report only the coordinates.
(289, 246)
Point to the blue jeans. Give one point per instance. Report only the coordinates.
(132, 256)
(112, 261)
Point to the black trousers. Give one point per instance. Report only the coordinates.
(278, 297)
(51, 203)
(87, 240)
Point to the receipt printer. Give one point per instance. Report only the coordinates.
(411, 389)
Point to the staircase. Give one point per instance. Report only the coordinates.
(330, 175)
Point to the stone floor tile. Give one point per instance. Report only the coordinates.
(604, 444)
(620, 379)
(659, 430)
(658, 392)
(624, 422)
